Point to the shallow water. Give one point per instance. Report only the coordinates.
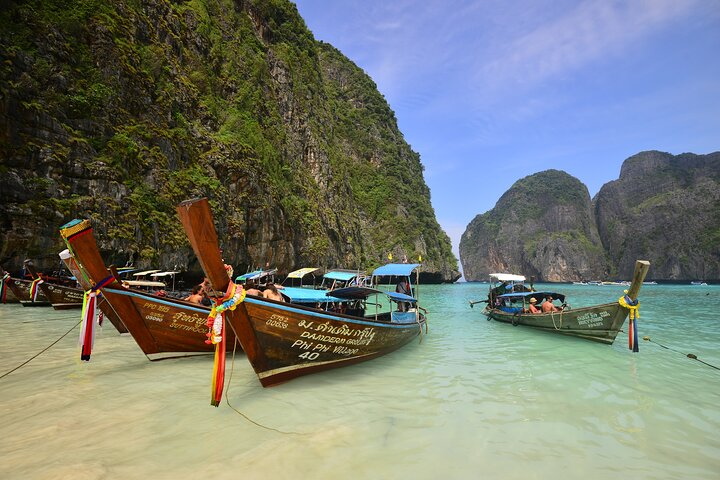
(472, 399)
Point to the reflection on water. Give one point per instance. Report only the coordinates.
(472, 398)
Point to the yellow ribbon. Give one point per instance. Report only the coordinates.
(634, 309)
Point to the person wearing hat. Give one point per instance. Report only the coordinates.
(533, 308)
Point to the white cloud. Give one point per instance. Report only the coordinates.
(593, 29)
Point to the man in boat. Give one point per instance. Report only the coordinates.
(548, 306)
(271, 292)
(251, 289)
(196, 296)
(403, 287)
(533, 308)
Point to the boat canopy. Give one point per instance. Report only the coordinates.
(355, 292)
(254, 275)
(302, 272)
(401, 297)
(395, 269)
(342, 275)
(507, 277)
(145, 272)
(361, 293)
(307, 295)
(143, 283)
(539, 296)
(163, 274)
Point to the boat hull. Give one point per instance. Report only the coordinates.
(162, 327)
(599, 323)
(176, 326)
(62, 297)
(284, 341)
(21, 289)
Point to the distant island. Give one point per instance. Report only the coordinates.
(663, 208)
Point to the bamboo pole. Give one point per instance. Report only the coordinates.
(641, 270)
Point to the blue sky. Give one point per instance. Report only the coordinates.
(490, 91)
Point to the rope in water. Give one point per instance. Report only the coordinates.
(41, 351)
(227, 400)
(689, 355)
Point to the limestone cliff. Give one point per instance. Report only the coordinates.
(666, 209)
(542, 226)
(119, 110)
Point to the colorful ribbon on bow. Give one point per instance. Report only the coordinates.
(89, 312)
(3, 287)
(234, 295)
(634, 307)
(34, 288)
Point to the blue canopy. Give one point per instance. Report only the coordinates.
(396, 269)
(255, 275)
(355, 293)
(307, 295)
(342, 276)
(401, 297)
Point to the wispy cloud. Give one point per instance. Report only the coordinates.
(590, 31)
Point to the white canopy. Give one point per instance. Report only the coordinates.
(163, 274)
(145, 272)
(301, 272)
(507, 277)
(143, 283)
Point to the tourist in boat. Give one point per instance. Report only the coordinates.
(548, 306)
(196, 296)
(251, 289)
(403, 287)
(533, 308)
(271, 292)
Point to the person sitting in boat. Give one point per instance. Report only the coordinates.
(548, 306)
(251, 289)
(196, 295)
(533, 306)
(271, 292)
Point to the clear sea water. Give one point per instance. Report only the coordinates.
(473, 399)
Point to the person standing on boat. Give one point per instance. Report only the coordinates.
(403, 287)
(547, 306)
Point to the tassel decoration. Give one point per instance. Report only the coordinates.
(234, 295)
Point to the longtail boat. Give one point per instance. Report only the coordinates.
(27, 292)
(600, 323)
(6, 293)
(61, 297)
(162, 326)
(285, 340)
(85, 283)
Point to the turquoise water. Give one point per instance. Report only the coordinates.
(473, 399)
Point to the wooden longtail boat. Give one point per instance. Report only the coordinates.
(6, 293)
(163, 327)
(600, 323)
(27, 292)
(82, 279)
(61, 297)
(284, 340)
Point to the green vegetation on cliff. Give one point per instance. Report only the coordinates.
(123, 109)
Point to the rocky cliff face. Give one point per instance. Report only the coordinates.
(666, 209)
(542, 227)
(117, 111)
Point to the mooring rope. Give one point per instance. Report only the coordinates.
(41, 351)
(688, 355)
(227, 400)
(552, 315)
